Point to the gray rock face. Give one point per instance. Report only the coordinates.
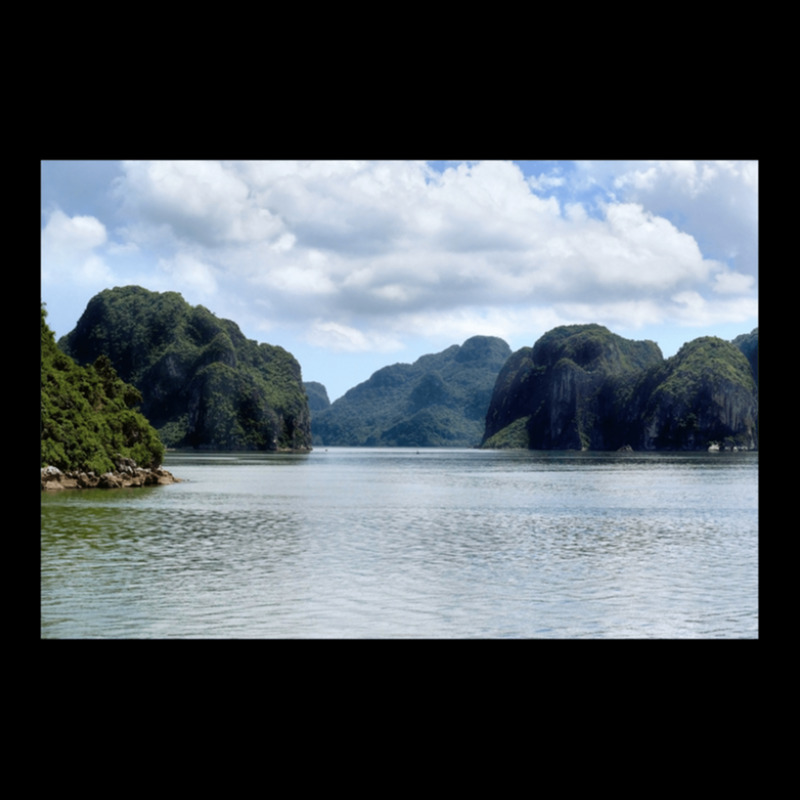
(582, 387)
(704, 395)
(127, 475)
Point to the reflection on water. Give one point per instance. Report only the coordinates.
(403, 543)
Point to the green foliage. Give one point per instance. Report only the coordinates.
(513, 436)
(701, 360)
(317, 394)
(594, 348)
(704, 394)
(583, 387)
(88, 416)
(566, 387)
(203, 383)
(748, 344)
(439, 400)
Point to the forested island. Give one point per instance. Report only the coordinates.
(144, 371)
(582, 387)
(439, 400)
(91, 434)
(204, 385)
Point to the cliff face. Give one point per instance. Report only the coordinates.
(705, 393)
(439, 400)
(202, 382)
(566, 388)
(582, 387)
(748, 344)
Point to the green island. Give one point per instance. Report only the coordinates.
(582, 387)
(204, 384)
(91, 434)
(144, 371)
(438, 401)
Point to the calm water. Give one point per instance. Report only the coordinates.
(364, 543)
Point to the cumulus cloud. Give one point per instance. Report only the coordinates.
(191, 274)
(343, 338)
(714, 201)
(352, 251)
(69, 246)
(198, 201)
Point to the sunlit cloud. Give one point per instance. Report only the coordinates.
(69, 246)
(366, 257)
(344, 338)
(192, 274)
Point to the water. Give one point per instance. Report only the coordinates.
(365, 543)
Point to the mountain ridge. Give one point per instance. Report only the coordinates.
(582, 387)
(203, 383)
(438, 400)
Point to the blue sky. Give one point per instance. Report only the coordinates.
(353, 265)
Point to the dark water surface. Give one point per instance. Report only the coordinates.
(378, 543)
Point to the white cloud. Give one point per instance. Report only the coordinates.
(68, 250)
(202, 201)
(692, 309)
(295, 279)
(714, 201)
(623, 314)
(344, 338)
(192, 274)
(647, 250)
(77, 233)
(361, 254)
(732, 283)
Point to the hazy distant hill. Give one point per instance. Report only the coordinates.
(582, 387)
(318, 399)
(202, 382)
(439, 400)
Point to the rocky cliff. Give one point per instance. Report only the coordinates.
(582, 387)
(748, 344)
(439, 400)
(703, 396)
(203, 384)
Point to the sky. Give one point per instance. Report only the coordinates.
(354, 265)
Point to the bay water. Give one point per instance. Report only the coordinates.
(369, 543)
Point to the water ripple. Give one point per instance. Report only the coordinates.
(452, 544)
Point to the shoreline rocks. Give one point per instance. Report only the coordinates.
(127, 475)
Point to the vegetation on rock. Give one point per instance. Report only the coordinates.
(89, 418)
(203, 384)
(703, 395)
(582, 387)
(748, 344)
(439, 400)
(318, 399)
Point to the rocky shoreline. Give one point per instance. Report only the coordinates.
(127, 474)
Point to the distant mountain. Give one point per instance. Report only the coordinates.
(203, 384)
(582, 387)
(439, 400)
(318, 399)
(748, 344)
(89, 416)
